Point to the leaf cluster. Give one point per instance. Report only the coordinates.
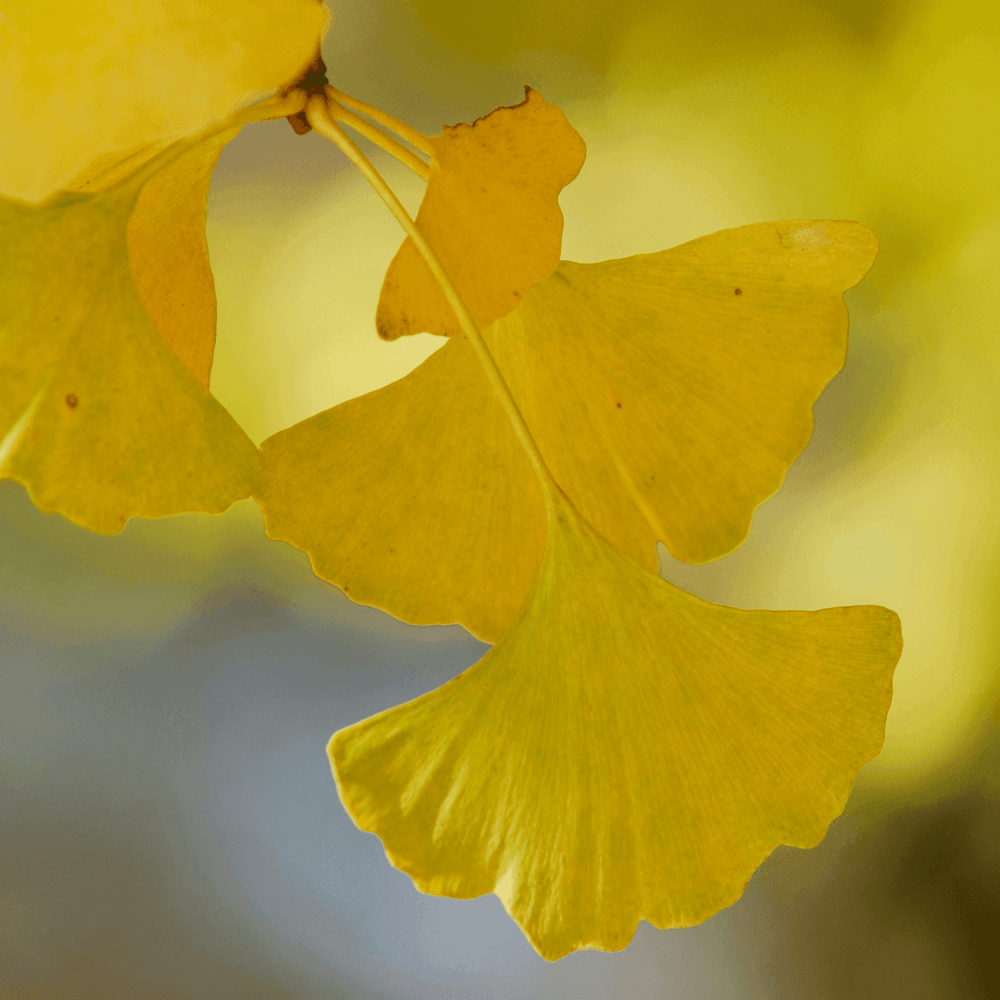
(625, 751)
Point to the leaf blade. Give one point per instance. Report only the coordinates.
(492, 215)
(135, 75)
(168, 254)
(626, 752)
(715, 392)
(102, 420)
(379, 492)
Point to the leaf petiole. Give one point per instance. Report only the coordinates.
(386, 142)
(320, 119)
(406, 132)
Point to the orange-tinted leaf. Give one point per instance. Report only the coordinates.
(168, 254)
(491, 213)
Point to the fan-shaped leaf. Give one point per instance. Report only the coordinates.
(491, 213)
(667, 392)
(99, 418)
(626, 752)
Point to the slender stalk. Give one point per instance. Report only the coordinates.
(321, 121)
(416, 139)
(390, 145)
(275, 107)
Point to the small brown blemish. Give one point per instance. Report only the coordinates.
(72, 401)
(619, 405)
(737, 291)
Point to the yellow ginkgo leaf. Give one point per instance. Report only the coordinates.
(168, 254)
(627, 752)
(83, 84)
(416, 498)
(491, 213)
(668, 394)
(99, 418)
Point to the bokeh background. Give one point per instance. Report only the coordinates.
(169, 826)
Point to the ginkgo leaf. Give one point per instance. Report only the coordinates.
(168, 254)
(99, 418)
(416, 498)
(85, 84)
(491, 213)
(627, 752)
(668, 394)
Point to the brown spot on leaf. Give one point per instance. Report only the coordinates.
(737, 291)
(72, 401)
(619, 405)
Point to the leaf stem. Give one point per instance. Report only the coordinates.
(133, 167)
(319, 118)
(370, 132)
(416, 139)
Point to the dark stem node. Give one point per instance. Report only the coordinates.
(312, 81)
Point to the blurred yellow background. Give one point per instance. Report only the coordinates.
(698, 115)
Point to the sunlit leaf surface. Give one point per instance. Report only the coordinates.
(86, 83)
(668, 393)
(99, 418)
(491, 213)
(626, 752)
